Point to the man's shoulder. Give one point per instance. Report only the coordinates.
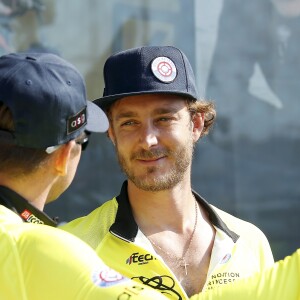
(92, 227)
(24, 237)
(8, 217)
(251, 238)
(239, 226)
(105, 211)
(20, 234)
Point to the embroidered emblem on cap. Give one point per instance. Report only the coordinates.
(164, 69)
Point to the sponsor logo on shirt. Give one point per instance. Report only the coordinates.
(164, 284)
(29, 217)
(222, 278)
(140, 259)
(106, 277)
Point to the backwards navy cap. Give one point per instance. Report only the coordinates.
(147, 70)
(47, 98)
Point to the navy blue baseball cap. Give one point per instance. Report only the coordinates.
(147, 70)
(47, 98)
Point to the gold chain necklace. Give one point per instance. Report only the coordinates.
(182, 261)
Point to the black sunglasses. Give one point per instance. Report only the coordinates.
(83, 140)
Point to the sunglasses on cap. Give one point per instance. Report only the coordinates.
(82, 140)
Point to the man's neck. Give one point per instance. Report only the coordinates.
(177, 226)
(167, 209)
(26, 211)
(34, 190)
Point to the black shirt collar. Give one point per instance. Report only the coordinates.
(126, 228)
(23, 208)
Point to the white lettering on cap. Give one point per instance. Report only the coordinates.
(77, 121)
(164, 69)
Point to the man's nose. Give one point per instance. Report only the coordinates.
(148, 136)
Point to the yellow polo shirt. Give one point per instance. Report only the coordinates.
(240, 248)
(39, 262)
(281, 282)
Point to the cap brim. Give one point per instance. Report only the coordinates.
(97, 120)
(106, 101)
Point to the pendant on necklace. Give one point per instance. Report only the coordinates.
(184, 265)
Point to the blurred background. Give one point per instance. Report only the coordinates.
(246, 60)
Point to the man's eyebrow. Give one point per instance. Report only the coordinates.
(157, 111)
(166, 110)
(126, 114)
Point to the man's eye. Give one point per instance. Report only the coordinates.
(128, 123)
(165, 119)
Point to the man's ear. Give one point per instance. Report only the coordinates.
(62, 158)
(197, 125)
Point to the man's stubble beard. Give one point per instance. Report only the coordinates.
(182, 161)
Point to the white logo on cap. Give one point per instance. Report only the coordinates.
(164, 69)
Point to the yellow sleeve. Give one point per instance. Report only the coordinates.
(47, 263)
(281, 281)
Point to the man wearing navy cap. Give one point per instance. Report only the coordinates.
(44, 116)
(158, 230)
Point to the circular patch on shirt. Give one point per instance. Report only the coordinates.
(106, 277)
(164, 69)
